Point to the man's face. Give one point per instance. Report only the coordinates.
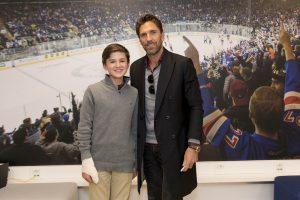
(151, 38)
(236, 70)
(278, 86)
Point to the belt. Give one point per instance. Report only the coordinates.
(153, 147)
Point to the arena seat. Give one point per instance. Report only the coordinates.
(287, 188)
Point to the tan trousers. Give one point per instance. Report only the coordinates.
(111, 186)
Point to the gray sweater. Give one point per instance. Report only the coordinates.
(108, 126)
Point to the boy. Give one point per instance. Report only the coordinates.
(107, 129)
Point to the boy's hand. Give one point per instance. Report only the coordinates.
(89, 171)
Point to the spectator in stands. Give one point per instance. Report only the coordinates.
(4, 139)
(239, 111)
(44, 119)
(33, 130)
(290, 128)
(251, 80)
(266, 69)
(76, 112)
(107, 129)
(57, 112)
(22, 152)
(241, 145)
(278, 80)
(278, 71)
(59, 153)
(234, 74)
(65, 130)
(66, 117)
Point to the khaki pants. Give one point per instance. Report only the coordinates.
(111, 186)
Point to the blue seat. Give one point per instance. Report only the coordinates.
(287, 188)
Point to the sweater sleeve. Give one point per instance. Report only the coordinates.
(85, 127)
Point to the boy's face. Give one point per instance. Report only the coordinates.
(151, 38)
(116, 65)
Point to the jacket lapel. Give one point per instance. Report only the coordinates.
(141, 83)
(166, 70)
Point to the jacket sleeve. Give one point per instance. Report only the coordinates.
(194, 101)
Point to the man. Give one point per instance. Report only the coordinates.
(170, 116)
(278, 79)
(239, 112)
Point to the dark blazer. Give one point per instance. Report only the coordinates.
(178, 117)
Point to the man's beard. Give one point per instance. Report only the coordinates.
(154, 51)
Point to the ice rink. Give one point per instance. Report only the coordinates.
(28, 90)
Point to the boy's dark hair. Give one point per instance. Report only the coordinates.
(114, 48)
(146, 18)
(266, 108)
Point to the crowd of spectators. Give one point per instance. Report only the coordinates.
(233, 75)
(30, 23)
(49, 140)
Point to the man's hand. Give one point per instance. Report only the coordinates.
(190, 158)
(89, 171)
(192, 53)
(284, 39)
